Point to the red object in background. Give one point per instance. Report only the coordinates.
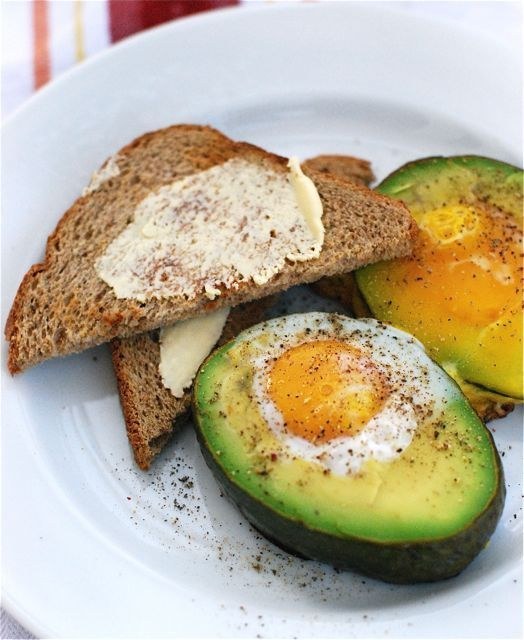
(130, 16)
(41, 58)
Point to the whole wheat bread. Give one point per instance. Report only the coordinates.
(342, 287)
(62, 306)
(151, 412)
(348, 167)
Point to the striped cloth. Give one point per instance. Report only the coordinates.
(43, 38)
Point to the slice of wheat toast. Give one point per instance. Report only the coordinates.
(62, 305)
(151, 413)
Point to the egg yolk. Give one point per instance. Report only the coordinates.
(466, 264)
(450, 223)
(326, 389)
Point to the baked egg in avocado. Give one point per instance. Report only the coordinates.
(342, 441)
(460, 292)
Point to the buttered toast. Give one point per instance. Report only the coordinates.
(64, 306)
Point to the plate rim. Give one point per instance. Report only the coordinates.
(394, 7)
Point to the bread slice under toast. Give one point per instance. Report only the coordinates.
(151, 412)
(63, 306)
(348, 167)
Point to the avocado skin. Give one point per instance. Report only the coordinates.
(399, 563)
(467, 161)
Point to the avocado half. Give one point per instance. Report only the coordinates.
(422, 514)
(460, 291)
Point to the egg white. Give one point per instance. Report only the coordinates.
(417, 387)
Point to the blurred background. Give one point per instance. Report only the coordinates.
(43, 38)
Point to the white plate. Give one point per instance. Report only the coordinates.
(91, 546)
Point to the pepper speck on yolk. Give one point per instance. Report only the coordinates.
(326, 389)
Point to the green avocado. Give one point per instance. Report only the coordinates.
(460, 291)
(343, 442)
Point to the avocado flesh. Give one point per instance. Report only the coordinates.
(422, 517)
(465, 304)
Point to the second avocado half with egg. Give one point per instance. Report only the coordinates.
(460, 292)
(343, 442)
